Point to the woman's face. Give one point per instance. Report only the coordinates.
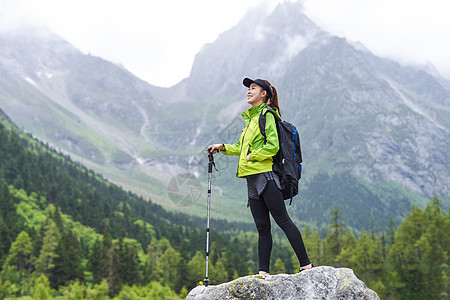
(255, 95)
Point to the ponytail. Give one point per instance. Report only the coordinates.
(273, 101)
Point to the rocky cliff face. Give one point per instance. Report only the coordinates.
(318, 283)
(356, 112)
(260, 45)
(83, 104)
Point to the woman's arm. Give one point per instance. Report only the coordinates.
(232, 149)
(227, 149)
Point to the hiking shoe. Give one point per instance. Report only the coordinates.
(301, 269)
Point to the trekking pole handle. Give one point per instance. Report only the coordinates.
(210, 155)
(211, 160)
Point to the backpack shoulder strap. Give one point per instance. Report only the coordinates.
(262, 121)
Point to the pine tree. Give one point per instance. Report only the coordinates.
(348, 256)
(75, 291)
(435, 259)
(96, 264)
(99, 263)
(391, 232)
(196, 269)
(169, 268)
(41, 289)
(99, 292)
(128, 263)
(333, 239)
(151, 259)
(10, 222)
(407, 256)
(19, 255)
(68, 263)
(219, 273)
(5, 283)
(278, 267)
(114, 277)
(369, 258)
(47, 255)
(183, 293)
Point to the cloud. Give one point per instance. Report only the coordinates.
(410, 32)
(158, 40)
(12, 15)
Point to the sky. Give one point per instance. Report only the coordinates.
(157, 40)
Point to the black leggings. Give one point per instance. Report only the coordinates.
(271, 200)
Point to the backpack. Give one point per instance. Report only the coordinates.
(287, 163)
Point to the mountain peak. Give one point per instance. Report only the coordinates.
(40, 35)
(261, 45)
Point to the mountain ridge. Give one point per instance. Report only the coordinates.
(357, 113)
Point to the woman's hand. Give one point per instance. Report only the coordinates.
(214, 148)
(248, 157)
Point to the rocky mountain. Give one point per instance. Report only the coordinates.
(371, 129)
(50, 77)
(91, 108)
(374, 133)
(357, 111)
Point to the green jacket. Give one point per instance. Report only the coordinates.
(252, 142)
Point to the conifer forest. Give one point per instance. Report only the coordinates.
(67, 233)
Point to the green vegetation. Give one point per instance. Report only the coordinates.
(66, 233)
(82, 228)
(121, 157)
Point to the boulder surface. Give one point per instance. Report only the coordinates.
(318, 283)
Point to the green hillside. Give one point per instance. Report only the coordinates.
(66, 233)
(374, 133)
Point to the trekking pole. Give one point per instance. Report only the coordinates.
(208, 206)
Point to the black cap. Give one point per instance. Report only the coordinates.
(247, 82)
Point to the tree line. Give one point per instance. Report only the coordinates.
(55, 259)
(67, 232)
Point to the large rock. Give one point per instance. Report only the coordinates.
(318, 283)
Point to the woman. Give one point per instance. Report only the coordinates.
(255, 164)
